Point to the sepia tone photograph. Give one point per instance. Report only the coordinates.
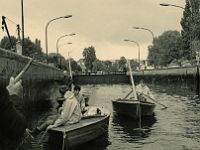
(100, 75)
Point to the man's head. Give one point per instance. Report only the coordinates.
(65, 73)
(63, 89)
(77, 89)
(142, 83)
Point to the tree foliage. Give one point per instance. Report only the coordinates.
(74, 65)
(190, 27)
(30, 49)
(122, 64)
(5, 43)
(166, 48)
(89, 57)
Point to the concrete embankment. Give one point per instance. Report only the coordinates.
(38, 81)
(101, 79)
(184, 77)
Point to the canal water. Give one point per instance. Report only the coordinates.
(174, 128)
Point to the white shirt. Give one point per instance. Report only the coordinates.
(144, 90)
(71, 112)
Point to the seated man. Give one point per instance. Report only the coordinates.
(143, 90)
(70, 113)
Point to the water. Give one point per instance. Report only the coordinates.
(176, 127)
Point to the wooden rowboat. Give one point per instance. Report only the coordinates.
(89, 128)
(130, 107)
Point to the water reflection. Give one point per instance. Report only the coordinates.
(128, 127)
(176, 127)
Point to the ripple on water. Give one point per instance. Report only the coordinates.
(175, 128)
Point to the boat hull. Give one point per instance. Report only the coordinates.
(130, 108)
(82, 132)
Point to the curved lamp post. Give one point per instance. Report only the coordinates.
(126, 40)
(165, 4)
(58, 48)
(152, 34)
(46, 29)
(57, 42)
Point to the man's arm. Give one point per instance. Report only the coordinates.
(68, 110)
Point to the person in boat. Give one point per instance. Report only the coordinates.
(143, 91)
(80, 98)
(13, 118)
(69, 113)
(67, 80)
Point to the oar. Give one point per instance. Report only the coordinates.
(20, 75)
(164, 106)
(135, 95)
(70, 72)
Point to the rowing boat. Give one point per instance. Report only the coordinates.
(89, 128)
(131, 107)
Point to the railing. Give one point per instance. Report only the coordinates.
(100, 73)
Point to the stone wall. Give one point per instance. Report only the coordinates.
(38, 82)
(11, 64)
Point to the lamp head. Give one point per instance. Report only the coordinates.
(72, 34)
(164, 4)
(67, 16)
(136, 28)
(69, 43)
(126, 40)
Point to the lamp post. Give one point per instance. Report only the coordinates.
(57, 54)
(152, 34)
(22, 11)
(126, 40)
(165, 5)
(57, 42)
(46, 29)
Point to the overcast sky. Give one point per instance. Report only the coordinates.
(103, 24)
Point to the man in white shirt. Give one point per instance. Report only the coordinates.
(143, 90)
(69, 113)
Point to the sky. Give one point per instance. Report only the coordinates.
(103, 24)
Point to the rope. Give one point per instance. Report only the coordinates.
(11, 21)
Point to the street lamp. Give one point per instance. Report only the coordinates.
(165, 4)
(57, 53)
(22, 11)
(126, 40)
(57, 42)
(46, 27)
(146, 30)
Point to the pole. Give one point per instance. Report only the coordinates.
(152, 34)
(22, 9)
(138, 50)
(46, 33)
(5, 25)
(18, 32)
(57, 42)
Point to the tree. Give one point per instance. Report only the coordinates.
(190, 27)
(30, 48)
(74, 65)
(186, 23)
(108, 65)
(97, 66)
(134, 64)
(166, 48)
(5, 43)
(89, 57)
(122, 63)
